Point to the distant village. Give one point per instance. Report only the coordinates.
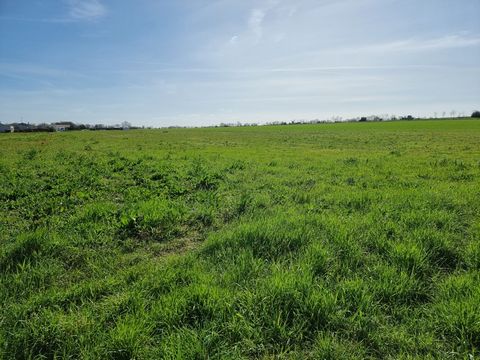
(60, 126)
(68, 125)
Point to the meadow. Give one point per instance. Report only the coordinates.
(329, 241)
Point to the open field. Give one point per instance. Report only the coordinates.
(338, 241)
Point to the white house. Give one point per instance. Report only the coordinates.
(61, 127)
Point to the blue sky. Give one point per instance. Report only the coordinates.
(198, 62)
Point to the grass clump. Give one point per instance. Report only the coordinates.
(156, 219)
(27, 249)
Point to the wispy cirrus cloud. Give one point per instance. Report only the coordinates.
(34, 70)
(77, 11)
(404, 48)
(255, 23)
(87, 10)
(415, 44)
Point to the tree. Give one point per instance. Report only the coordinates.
(476, 114)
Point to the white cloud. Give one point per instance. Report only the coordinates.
(368, 54)
(86, 9)
(33, 70)
(78, 10)
(255, 23)
(412, 45)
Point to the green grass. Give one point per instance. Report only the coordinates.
(337, 241)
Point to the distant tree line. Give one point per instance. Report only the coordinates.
(338, 119)
(70, 126)
(61, 126)
(25, 127)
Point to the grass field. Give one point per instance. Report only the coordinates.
(336, 241)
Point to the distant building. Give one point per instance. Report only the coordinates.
(12, 127)
(61, 127)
